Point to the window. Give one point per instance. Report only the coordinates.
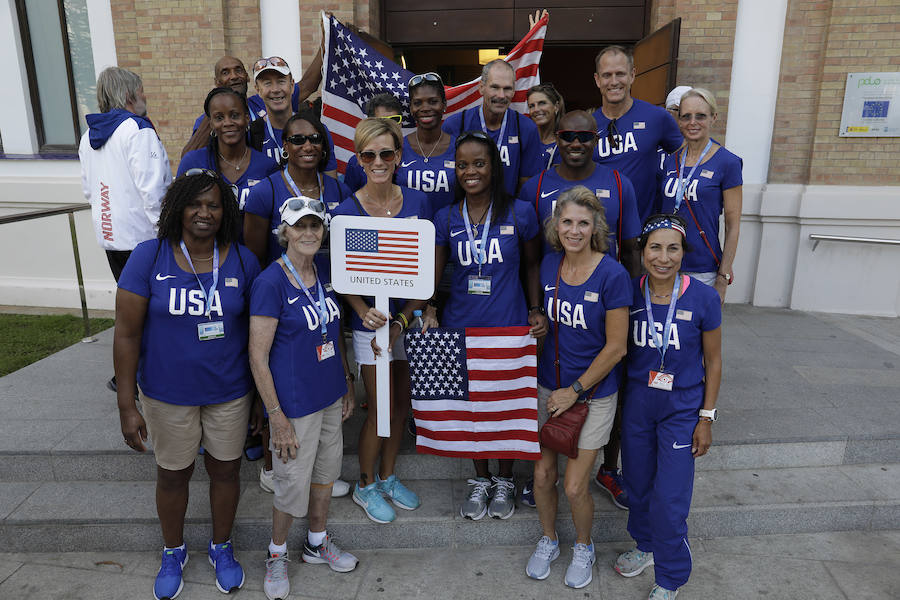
(56, 41)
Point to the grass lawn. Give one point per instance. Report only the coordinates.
(25, 339)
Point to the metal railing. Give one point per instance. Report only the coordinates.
(816, 238)
(68, 209)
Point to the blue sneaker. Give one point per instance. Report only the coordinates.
(611, 483)
(168, 581)
(399, 494)
(371, 501)
(528, 493)
(229, 574)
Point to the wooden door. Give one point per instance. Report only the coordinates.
(656, 64)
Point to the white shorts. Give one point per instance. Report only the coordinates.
(362, 348)
(707, 277)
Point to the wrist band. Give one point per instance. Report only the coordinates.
(432, 302)
(395, 321)
(272, 411)
(540, 309)
(403, 321)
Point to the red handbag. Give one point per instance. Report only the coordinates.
(561, 432)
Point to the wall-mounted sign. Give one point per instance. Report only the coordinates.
(871, 105)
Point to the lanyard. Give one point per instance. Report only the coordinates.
(478, 255)
(207, 296)
(502, 126)
(320, 307)
(679, 194)
(550, 158)
(272, 133)
(662, 344)
(296, 190)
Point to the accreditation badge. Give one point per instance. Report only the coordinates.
(480, 285)
(210, 330)
(325, 351)
(661, 380)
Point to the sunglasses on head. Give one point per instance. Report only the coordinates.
(472, 134)
(199, 171)
(420, 79)
(368, 156)
(570, 135)
(272, 61)
(612, 134)
(397, 118)
(298, 139)
(301, 203)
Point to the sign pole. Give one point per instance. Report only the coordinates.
(383, 371)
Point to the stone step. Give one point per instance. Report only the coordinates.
(65, 516)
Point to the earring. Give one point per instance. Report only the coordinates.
(284, 154)
(212, 133)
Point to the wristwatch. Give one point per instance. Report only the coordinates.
(726, 277)
(579, 389)
(712, 415)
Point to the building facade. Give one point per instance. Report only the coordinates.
(777, 67)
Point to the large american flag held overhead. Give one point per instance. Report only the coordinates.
(474, 392)
(382, 251)
(353, 72)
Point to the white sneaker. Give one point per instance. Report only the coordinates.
(340, 488)
(547, 551)
(267, 480)
(661, 593)
(581, 569)
(276, 585)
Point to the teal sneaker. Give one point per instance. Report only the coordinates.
(633, 562)
(371, 501)
(661, 593)
(169, 582)
(399, 494)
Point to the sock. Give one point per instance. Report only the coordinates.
(315, 538)
(213, 544)
(277, 549)
(181, 547)
(556, 541)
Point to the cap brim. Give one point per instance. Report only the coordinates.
(282, 70)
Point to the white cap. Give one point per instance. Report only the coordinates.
(673, 100)
(294, 209)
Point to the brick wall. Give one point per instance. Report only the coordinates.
(707, 45)
(355, 12)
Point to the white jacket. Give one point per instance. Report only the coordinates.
(124, 174)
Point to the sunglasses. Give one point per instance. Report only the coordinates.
(473, 134)
(298, 139)
(420, 79)
(199, 171)
(301, 203)
(368, 156)
(570, 135)
(397, 118)
(612, 134)
(272, 61)
(699, 117)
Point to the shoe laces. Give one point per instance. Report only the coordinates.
(276, 566)
(224, 555)
(479, 489)
(581, 555)
(330, 548)
(612, 482)
(545, 548)
(502, 489)
(171, 565)
(661, 593)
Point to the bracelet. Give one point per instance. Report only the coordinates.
(396, 322)
(350, 377)
(432, 302)
(707, 419)
(405, 322)
(272, 411)
(540, 309)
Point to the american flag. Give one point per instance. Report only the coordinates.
(474, 392)
(353, 72)
(382, 251)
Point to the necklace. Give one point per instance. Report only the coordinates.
(236, 167)
(381, 206)
(655, 295)
(203, 258)
(476, 223)
(436, 144)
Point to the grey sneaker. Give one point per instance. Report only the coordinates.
(267, 480)
(581, 569)
(475, 507)
(633, 562)
(661, 593)
(539, 564)
(329, 553)
(276, 584)
(503, 501)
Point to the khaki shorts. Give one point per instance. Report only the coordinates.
(362, 348)
(599, 422)
(178, 431)
(318, 460)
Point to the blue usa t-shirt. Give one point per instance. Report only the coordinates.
(436, 176)
(642, 130)
(704, 191)
(266, 198)
(581, 311)
(520, 151)
(260, 167)
(698, 309)
(174, 365)
(303, 383)
(550, 155)
(415, 206)
(506, 304)
(603, 183)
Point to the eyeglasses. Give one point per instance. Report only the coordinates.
(272, 61)
(397, 118)
(368, 156)
(472, 134)
(199, 171)
(570, 135)
(612, 134)
(420, 79)
(687, 117)
(301, 203)
(298, 139)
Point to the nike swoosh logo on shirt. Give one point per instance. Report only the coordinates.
(294, 299)
(545, 194)
(547, 288)
(677, 446)
(456, 233)
(161, 277)
(406, 164)
(635, 311)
